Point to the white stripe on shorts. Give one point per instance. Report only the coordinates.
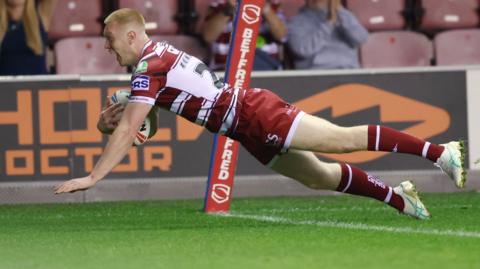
(426, 146)
(349, 178)
(292, 130)
(389, 195)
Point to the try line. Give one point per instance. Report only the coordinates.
(355, 226)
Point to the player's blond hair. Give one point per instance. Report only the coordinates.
(126, 16)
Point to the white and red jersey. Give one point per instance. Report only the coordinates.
(181, 83)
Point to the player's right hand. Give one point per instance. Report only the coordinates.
(76, 184)
(111, 114)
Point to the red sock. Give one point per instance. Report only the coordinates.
(381, 138)
(356, 181)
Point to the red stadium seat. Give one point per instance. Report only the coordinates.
(449, 14)
(85, 55)
(379, 14)
(458, 47)
(396, 49)
(76, 18)
(159, 14)
(185, 43)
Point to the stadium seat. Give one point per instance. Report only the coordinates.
(458, 47)
(185, 43)
(159, 14)
(396, 49)
(76, 18)
(449, 14)
(85, 55)
(379, 14)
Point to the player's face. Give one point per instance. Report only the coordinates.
(117, 42)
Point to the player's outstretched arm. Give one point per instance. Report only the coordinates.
(109, 117)
(117, 147)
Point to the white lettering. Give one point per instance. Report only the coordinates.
(224, 173)
(241, 73)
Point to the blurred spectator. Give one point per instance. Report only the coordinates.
(23, 36)
(324, 35)
(218, 27)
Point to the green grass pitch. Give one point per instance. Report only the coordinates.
(310, 232)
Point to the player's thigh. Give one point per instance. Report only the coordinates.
(306, 168)
(317, 134)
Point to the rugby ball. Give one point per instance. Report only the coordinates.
(149, 125)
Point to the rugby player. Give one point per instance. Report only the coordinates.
(276, 133)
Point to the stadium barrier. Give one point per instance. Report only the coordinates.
(48, 130)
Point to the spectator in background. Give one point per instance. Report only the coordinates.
(23, 36)
(218, 27)
(324, 35)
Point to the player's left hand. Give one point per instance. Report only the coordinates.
(76, 184)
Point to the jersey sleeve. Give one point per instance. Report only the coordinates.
(145, 86)
(150, 75)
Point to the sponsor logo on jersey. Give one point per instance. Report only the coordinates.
(140, 83)
(251, 13)
(141, 67)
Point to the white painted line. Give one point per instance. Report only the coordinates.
(346, 208)
(356, 226)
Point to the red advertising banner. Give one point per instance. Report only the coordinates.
(239, 66)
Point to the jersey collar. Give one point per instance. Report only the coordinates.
(144, 50)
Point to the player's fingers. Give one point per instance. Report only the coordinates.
(108, 102)
(113, 108)
(111, 126)
(117, 118)
(110, 112)
(63, 187)
(118, 109)
(60, 186)
(59, 189)
(68, 187)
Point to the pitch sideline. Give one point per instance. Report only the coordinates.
(355, 226)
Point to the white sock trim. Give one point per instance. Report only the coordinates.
(349, 178)
(426, 146)
(377, 139)
(389, 195)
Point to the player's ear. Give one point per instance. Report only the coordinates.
(131, 35)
